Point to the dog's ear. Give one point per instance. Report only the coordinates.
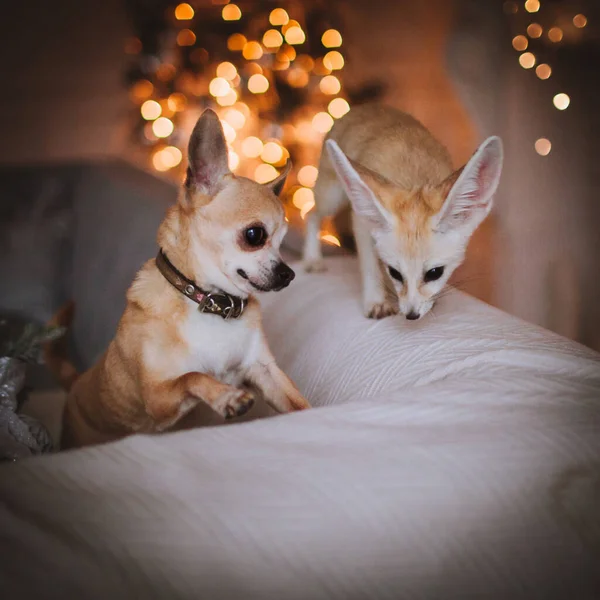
(360, 185)
(207, 154)
(469, 191)
(277, 184)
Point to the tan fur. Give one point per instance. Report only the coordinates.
(144, 381)
(401, 176)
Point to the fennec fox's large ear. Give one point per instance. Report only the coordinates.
(360, 185)
(277, 184)
(207, 154)
(470, 190)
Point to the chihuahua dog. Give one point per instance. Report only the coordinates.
(412, 214)
(191, 331)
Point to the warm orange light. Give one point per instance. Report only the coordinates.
(331, 38)
(141, 90)
(158, 161)
(229, 99)
(243, 108)
(235, 118)
(333, 60)
(561, 101)
(543, 147)
(534, 30)
(298, 77)
(265, 173)
(286, 51)
(295, 35)
(186, 37)
(338, 107)
(272, 39)
(278, 16)
(580, 21)
(234, 160)
(330, 85)
(252, 51)
(321, 68)
(236, 42)
(520, 43)
(176, 102)
(306, 209)
(184, 12)
(219, 87)
(281, 64)
(322, 122)
(166, 72)
(226, 70)
(329, 238)
(532, 6)
(543, 71)
(272, 152)
(171, 156)
(258, 84)
(228, 132)
(133, 46)
(290, 23)
(304, 61)
(231, 12)
(527, 60)
(151, 110)
(555, 34)
(307, 175)
(162, 127)
(303, 196)
(252, 147)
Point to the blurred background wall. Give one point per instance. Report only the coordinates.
(450, 63)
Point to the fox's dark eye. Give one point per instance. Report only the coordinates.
(396, 274)
(255, 236)
(433, 274)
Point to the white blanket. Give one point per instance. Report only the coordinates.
(461, 460)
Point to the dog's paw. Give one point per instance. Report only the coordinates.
(235, 403)
(315, 266)
(380, 310)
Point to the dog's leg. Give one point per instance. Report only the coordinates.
(169, 401)
(329, 198)
(376, 301)
(276, 387)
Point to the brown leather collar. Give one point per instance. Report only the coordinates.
(216, 303)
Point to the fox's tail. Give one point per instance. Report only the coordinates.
(55, 352)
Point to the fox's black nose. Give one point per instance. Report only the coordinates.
(412, 315)
(284, 274)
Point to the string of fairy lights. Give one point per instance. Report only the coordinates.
(269, 55)
(557, 29)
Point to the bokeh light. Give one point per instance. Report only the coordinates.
(535, 30)
(186, 37)
(252, 147)
(333, 60)
(278, 16)
(151, 110)
(236, 42)
(162, 127)
(226, 70)
(561, 101)
(265, 173)
(322, 122)
(184, 12)
(580, 21)
(555, 34)
(332, 38)
(520, 43)
(543, 71)
(231, 12)
(219, 87)
(338, 107)
(543, 146)
(272, 152)
(532, 6)
(294, 35)
(252, 51)
(258, 84)
(330, 85)
(527, 60)
(272, 39)
(307, 176)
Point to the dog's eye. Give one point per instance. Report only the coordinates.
(256, 236)
(396, 274)
(433, 274)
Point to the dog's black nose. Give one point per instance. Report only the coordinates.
(284, 274)
(412, 315)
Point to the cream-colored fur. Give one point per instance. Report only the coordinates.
(167, 356)
(412, 214)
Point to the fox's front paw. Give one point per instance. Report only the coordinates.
(380, 310)
(315, 266)
(235, 403)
